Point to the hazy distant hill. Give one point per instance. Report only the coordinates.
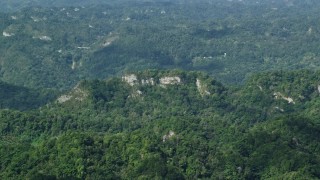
(56, 47)
(14, 5)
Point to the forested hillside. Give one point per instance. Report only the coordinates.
(158, 89)
(55, 47)
(21, 98)
(169, 125)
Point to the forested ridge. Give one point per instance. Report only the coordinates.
(169, 125)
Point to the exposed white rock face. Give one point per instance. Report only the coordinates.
(76, 9)
(198, 83)
(83, 47)
(130, 79)
(319, 88)
(289, 99)
(14, 17)
(280, 109)
(136, 94)
(170, 80)
(64, 98)
(73, 65)
(201, 89)
(168, 136)
(309, 31)
(6, 34)
(278, 95)
(107, 43)
(148, 82)
(77, 94)
(36, 19)
(45, 38)
(110, 40)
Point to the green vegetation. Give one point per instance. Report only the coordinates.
(55, 47)
(126, 90)
(21, 98)
(156, 129)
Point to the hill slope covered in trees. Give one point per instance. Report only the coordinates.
(169, 125)
(21, 98)
(77, 100)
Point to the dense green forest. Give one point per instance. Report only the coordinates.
(21, 98)
(169, 125)
(55, 47)
(159, 89)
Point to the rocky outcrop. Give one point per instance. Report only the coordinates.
(202, 90)
(64, 98)
(77, 94)
(149, 81)
(135, 94)
(131, 79)
(170, 80)
(6, 34)
(134, 80)
(279, 109)
(278, 95)
(43, 38)
(168, 136)
(110, 40)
